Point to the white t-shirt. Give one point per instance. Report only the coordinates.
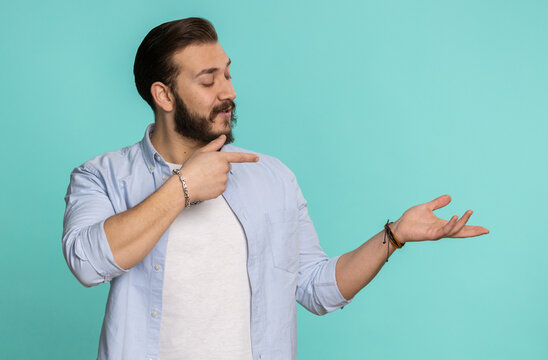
(206, 300)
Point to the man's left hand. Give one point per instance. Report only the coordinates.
(419, 223)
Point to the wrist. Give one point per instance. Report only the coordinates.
(394, 227)
(177, 172)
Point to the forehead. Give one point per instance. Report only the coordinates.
(194, 58)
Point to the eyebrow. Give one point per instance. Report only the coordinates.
(212, 70)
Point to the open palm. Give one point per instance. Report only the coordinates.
(419, 223)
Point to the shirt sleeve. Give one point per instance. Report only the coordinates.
(84, 241)
(317, 288)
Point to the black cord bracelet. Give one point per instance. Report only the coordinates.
(388, 232)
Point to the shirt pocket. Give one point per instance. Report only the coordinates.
(284, 238)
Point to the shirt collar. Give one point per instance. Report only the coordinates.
(149, 152)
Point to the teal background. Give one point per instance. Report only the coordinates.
(375, 105)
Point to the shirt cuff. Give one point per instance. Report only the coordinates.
(331, 297)
(99, 254)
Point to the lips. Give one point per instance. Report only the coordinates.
(225, 113)
(225, 110)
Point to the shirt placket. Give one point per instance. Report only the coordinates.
(160, 173)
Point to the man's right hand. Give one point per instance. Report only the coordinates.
(206, 169)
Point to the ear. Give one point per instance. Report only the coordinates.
(162, 96)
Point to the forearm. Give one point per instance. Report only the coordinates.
(357, 268)
(133, 233)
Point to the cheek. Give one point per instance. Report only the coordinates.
(200, 102)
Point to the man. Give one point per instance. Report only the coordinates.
(208, 246)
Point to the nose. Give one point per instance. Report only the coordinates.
(227, 90)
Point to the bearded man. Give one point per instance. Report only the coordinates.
(207, 246)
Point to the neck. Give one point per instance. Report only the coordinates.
(173, 147)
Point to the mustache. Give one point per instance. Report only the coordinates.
(224, 106)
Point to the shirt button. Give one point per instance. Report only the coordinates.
(165, 177)
(157, 157)
(157, 267)
(154, 314)
(151, 167)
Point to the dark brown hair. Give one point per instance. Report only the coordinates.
(153, 61)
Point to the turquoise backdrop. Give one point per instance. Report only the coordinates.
(375, 105)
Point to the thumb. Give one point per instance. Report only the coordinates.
(215, 145)
(439, 202)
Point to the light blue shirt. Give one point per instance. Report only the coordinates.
(285, 261)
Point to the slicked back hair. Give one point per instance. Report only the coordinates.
(154, 58)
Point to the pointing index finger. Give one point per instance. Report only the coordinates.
(236, 157)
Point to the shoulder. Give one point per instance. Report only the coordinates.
(113, 162)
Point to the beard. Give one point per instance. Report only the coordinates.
(197, 127)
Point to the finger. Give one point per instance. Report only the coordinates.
(215, 144)
(236, 157)
(439, 202)
(227, 167)
(447, 228)
(471, 231)
(461, 223)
